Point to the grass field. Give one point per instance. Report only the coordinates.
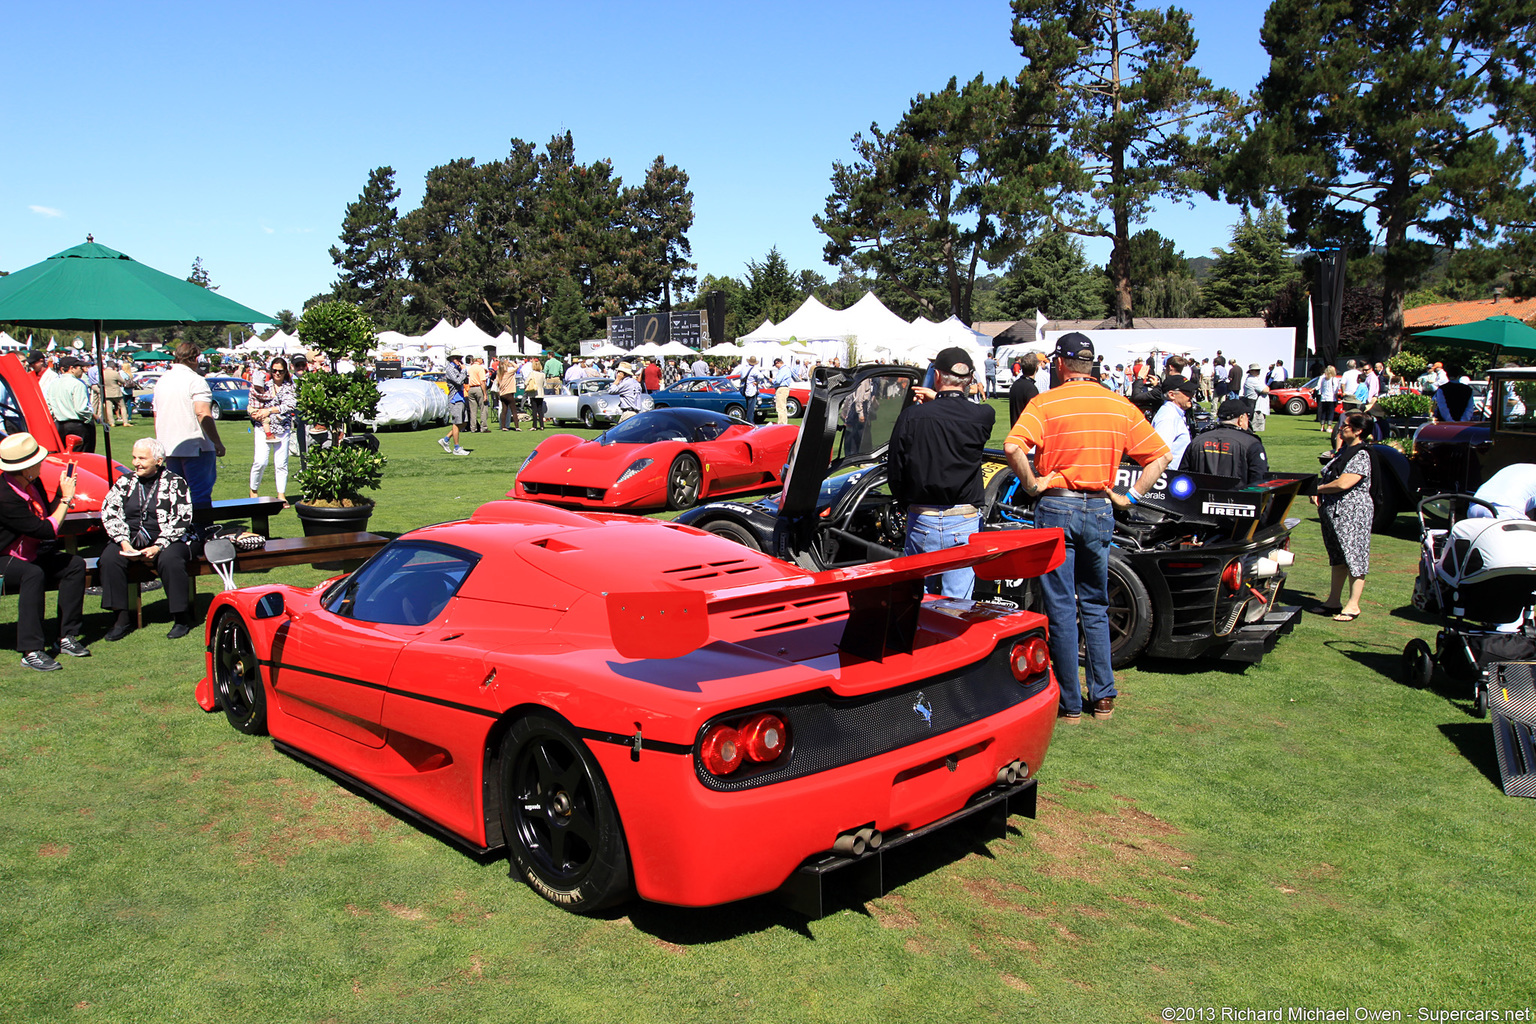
(1307, 832)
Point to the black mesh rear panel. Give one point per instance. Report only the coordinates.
(827, 731)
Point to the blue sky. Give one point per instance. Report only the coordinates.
(238, 132)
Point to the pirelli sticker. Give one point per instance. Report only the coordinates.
(1235, 509)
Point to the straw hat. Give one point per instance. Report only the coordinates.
(19, 451)
(628, 368)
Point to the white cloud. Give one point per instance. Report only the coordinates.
(267, 229)
(46, 211)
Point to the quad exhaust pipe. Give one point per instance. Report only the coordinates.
(1012, 772)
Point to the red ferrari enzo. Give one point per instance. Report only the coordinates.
(630, 706)
(22, 407)
(665, 458)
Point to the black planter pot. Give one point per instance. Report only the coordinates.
(320, 521)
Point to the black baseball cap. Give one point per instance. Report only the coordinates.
(1075, 345)
(69, 362)
(1232, 408)
(954, 361)
(1178, 382)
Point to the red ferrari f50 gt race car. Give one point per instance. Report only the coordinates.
(22, 407)
(629, 705)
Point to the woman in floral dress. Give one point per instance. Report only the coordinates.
(1344, 501)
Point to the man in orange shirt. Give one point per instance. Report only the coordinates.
(1080, 430)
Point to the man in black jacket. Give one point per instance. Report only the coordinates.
(934, 467)
(30, 561)
(1228, 449)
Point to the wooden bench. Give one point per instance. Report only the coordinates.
(346, 549)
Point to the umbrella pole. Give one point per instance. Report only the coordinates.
(106, 412)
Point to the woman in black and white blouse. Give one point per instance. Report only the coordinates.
(147, 516)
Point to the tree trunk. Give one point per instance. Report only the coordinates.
(1394, 279)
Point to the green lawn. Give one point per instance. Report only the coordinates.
(1304, 832)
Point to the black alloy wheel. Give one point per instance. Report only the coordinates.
(558, 817)
(237, 676)
(1130, 614)
(732, 531)
(684, 481)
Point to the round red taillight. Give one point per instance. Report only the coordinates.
(721, 750)
(1029, 658)
(1039, 654)
(1232, 576)
(763, 738)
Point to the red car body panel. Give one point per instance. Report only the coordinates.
(415, 714)
(91, 477)
(742, 460)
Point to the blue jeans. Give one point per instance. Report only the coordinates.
(199, 471)
(1077, 596)
(928, 532)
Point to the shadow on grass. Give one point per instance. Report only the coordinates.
(1475, 743)
(1383, 659)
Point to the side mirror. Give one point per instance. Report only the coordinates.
(270, 606)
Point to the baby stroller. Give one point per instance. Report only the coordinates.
(1478, 574)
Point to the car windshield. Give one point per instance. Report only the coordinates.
(667, 425)
(227, 385)
(406, 584)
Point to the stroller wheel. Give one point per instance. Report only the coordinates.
(1480, 700)
(1418, 664)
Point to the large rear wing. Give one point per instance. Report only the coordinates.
(884, 598)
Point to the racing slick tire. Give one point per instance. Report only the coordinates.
(558, 817)
(684, 482)
(1418, 664)
(732, 531)
(1296, 406)
(1130, 613)
(237, 676)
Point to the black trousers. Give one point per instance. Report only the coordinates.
(86, 432)
(30, 581)
(536, 407)
(170, 563)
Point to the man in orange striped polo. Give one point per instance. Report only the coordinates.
(1079, 431)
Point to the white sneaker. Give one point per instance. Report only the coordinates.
(446, 446)
(457, 450)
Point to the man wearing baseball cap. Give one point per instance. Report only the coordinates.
(457, 379)
(29, 562)
(1172, 419)
(1079, 431)
(934, 467)
(1228, 449)
(70, 402)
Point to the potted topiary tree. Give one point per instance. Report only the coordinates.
(339, 470)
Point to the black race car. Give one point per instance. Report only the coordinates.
(1195, 571)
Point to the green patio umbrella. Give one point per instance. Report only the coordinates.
(1490, 335)
(92, 287)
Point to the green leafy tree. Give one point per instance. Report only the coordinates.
(1053, 276)
(926, 205)
(566, 323)
(1162, 284)
(1112, 116)
(1246, 277)
(203, 335)
(370, 254)
(769, 291)
(661, 210)
(1414, 112)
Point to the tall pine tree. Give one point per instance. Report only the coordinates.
(1246, 277)
(369, 257)
(1414, 112)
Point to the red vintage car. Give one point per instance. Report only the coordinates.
(23, 408)
(633, 706)
(665, 458)
(1297, 401)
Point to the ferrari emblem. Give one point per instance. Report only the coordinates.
(925, 709)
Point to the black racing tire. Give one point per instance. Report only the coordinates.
(736, 412)
(732, 530)
(685, 481)
(558, 817)
(1296, 406)
(792, 408)
(237, 676)
(1418, 664)
(1130, 614)
(589, 418)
